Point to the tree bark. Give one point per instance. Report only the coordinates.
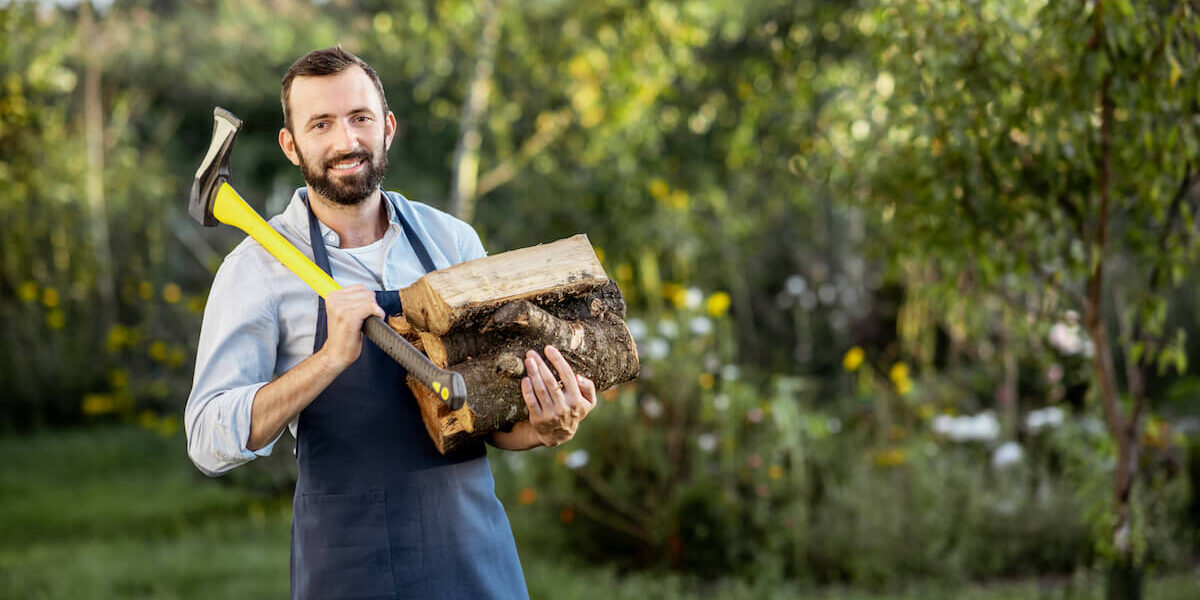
(480, 318)
(600, 348)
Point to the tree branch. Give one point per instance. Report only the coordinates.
(548, 129)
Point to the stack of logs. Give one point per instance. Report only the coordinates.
(480, 318)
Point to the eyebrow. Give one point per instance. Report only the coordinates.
(322, 116)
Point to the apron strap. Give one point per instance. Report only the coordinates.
(321, 257)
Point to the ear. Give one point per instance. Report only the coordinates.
(288, 144)
(389, 130)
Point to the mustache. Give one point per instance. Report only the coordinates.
(356, 155)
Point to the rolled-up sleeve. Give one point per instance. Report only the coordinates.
(469, 246)
(236, 357)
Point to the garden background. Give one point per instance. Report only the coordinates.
(914, 285)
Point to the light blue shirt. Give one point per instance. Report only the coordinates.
(261, 319)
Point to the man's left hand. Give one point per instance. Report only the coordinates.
(555, 408)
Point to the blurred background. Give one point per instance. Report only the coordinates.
(914, 285)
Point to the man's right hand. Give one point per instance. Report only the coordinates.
(345, 310)
(278, 402)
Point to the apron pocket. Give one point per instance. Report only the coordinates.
(344, 547)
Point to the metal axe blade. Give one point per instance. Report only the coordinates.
(214, 169)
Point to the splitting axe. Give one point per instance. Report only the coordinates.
(214, 201)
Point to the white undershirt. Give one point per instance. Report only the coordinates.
(371, 256)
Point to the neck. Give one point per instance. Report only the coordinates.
(356, 225)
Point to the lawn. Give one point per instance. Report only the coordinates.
(119, 512)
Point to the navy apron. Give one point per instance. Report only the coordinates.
(378, 512)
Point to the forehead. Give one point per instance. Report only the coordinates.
(338, 94)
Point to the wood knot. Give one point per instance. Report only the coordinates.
(510, 366)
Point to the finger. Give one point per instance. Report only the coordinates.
(587, 389)
(538, 380)
(531, 401)
(565, 374)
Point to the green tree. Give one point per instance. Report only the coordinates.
(1045, 154)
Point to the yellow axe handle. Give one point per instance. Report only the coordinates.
(230, 209)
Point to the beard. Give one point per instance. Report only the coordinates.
(346, 190)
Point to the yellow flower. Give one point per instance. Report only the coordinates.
(678, 199)
(158, 351)
(706, 381)
(118, 378)
(172, 293)
(168, 427)
(56, 319)
(624, 272)
(97, 404)
(678, 297)
(718, 304)
(659, 189)
(50, 297)
(117, 336)
(148, 420)
(853, 359)
(775, 472)
(899, 376)
(890, 458)
(146, 290)
(28, 291)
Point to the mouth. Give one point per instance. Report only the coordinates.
(348, 166)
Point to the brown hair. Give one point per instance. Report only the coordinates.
(327, 61)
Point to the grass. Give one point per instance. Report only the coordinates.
(119, 512)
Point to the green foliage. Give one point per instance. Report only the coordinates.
(917, 181)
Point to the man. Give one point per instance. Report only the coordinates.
(378, 512)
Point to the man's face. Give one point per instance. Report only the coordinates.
(339, 135)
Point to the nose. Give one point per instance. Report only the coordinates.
(346, 140)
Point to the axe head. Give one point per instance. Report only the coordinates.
(215, 169)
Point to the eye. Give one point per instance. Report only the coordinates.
(362, 118)
(320, 125)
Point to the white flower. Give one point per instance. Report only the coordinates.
(981, 427)
(701, 326)
(637, 328)
(828, 294)
(656, 349)
(693, 297)
(730, 373)
(721, 402)
(576, 459)
(795, 285)
(833, 424)
(1051, 416)
(1069, 339)
(652, 407)
(1009, 453)
(668, 329)
(707, 442)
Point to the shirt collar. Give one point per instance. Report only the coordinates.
(295, 217)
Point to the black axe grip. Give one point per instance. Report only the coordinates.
(448, 385)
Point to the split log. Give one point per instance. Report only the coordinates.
(443, 299)
(556, 294)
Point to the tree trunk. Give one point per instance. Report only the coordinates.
(465, 177)
(93, 116)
